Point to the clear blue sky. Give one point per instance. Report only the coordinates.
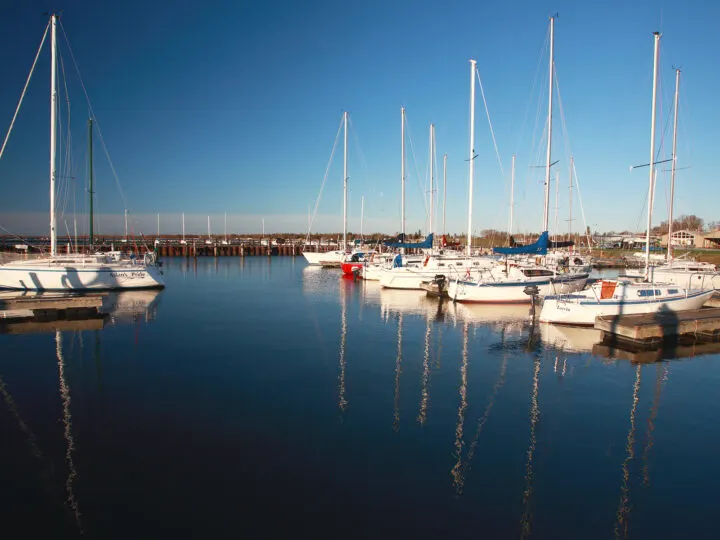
(233, 107)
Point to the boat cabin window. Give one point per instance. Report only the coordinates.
(534, 272)
(475, 263)
(441, 264)
(646, 292)
(673, 291)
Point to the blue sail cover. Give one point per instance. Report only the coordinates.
(536, 248)
(425, 244)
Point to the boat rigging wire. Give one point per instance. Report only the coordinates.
(322, 186)
(95, 120)
(22, 96)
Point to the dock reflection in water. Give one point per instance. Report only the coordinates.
(261, 387)
(69, 324)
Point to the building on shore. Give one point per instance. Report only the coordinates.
(685, 239)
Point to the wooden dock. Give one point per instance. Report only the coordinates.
(22, 313)
(38, 302)
(696, 325)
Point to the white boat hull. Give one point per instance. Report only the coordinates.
(582, 310)
(412, 277)
(328, 258)
(406, 278)
(513, 291)
(46, 275)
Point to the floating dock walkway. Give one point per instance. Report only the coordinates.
(49, 312)
(697, 325)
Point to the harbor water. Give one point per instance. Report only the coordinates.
(262, 398)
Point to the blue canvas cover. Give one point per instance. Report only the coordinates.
(425, 244)
(536, 248)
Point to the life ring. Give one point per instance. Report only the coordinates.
(427, 258)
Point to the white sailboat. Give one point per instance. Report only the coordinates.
(615, 297)
(686, 273)
(403, 273)
(336, 257)
(76, 272)
(508, 283)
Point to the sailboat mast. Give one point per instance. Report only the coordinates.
(557, 201)
(549, 122)
(512, 196)
(226, 227)
(674, 165)
(126, 228)
(362, 214)
(402, 171)
(656, 59)
(90, 191)
(432, 178)
(345, 183)
(572, 163)
(209, 236)
(158, 224)
(53, 133)
(444, 190)
(183, 224)
(473, 63)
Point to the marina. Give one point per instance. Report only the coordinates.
(451, 340)
(349, 394)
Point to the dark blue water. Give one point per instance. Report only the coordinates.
(263, 398)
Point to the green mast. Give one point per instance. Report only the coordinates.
(90, 191)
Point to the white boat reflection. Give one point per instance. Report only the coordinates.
(129, 306)
(569, 338)
(510, 317)
(319, 281)
(396, 301)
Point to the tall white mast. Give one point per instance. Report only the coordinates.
(557, 201)
(126, 228)
(432, 178)
(209, 236)
(674, 164)
(158, 224)
(345, 183)
(548, 164)
(226, 227)
(572, 163)
(473, 63)
(656, 59)
(512, 196)
(402, 171)
(362, 214)
(444, 190)
(183, 224)
(53, 134)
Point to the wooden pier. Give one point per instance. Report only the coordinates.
(694, 325)
(22, 313)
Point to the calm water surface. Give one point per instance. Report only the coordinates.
(263, 398)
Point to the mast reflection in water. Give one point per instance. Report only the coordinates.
(258, 397)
